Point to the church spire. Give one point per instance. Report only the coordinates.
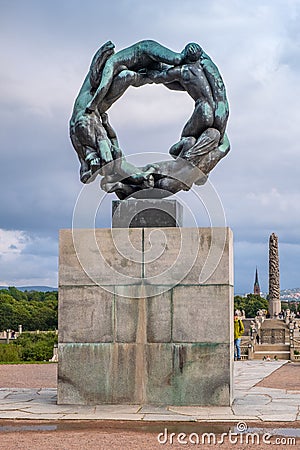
(256, 289)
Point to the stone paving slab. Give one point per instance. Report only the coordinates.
(168, 418)
(202, 410)
(103, 416)
(250, 400)
(251, 412)
(13, 407)
(277, 418)
(120, 409)
(251, 403)
(149, 409)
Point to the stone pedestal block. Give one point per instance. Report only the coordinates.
(146, 213)
(145, 316)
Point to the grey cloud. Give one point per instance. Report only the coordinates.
(255, 45)
(43, 246)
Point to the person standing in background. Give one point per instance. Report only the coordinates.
(238, 333)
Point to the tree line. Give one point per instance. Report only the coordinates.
(253, 303)
(32, 309)
(250, 304)
(29, 347)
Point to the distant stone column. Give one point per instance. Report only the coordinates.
(274, 283)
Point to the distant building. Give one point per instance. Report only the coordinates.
(256, 289)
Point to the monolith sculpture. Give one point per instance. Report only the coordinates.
(146, 306)
(274, 277)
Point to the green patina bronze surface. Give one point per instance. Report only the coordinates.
(203, 140)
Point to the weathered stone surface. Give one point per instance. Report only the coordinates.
(188, 256)
(83, 373)
(130, 314)
(85, 314)
(126, 319)
(202, 313)
(160, 338)
(159, 316)
(160, 256)
(91, 374)
(170, 374)
(145, 213)
(189, 374)
(100, 256)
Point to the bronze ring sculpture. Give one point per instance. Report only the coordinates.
(203, 141)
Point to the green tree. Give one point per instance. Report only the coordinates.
(16, 294)
(11, 312)
(36, 346)
(35, 296)
(38, 314)
(250, 304)
(10, 353)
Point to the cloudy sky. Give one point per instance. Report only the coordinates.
(46, 48)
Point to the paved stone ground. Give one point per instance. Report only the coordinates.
(117, 439)
(286, 377)
(51, 426)
(28, 375)
(252, 399)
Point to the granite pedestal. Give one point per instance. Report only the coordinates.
(145, 316)
(147, 213)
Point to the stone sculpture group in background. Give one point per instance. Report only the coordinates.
(203, 139)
